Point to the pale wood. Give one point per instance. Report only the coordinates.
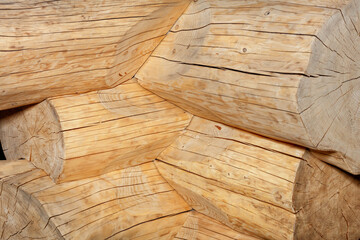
(134, 203)
(284, 69)
(199, 226)
(78, 136)
(262, 186)
(53, 47)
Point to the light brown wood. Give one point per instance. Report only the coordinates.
(284, 69)
(134, 203)
(199, 226)
(79, 136)
(54, 48)
(261, 186)
(326, 200)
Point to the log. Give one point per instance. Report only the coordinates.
(288, 70)
(202, 227)
(134, 203)
(79, 136)
(261, 186)
(49, 44)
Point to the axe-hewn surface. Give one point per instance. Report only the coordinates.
(261, 186)
(134, 203)
(201, 227)
(79, 136)
(52, 48)
(288, 70)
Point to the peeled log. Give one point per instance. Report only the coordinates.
(201, 227)
(134, 203)
(261, 186)
(284, 69)
(79, 136)
(52, 47)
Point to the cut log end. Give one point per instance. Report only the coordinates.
(72, 137)
(34, 134)
(329, 97)
(265, 187)
(135, 203)
(326, 200)
(291, 77)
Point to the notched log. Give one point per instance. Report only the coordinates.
(255, 184)
(132, 203)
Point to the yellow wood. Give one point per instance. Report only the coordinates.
(251, 183)
(199, 226)
(54, 48)
(134, 203)
(79, 136)
(288, 70)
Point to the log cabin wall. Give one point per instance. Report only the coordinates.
(261, 186)
(54, 48)
(61, 134)
(204, 119)
(288, 70)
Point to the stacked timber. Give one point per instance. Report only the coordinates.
(159, 119)
(288, 70)
(135, 203)
(103, 130)
(261, 186)
(54, 48)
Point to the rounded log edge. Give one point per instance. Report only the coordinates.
(104, 40)
(311, 101)
(131, 203)
(78, 136)
(21, 214)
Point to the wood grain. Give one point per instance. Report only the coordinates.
(288, 70)
(54, 48)
(134, 203)
(199, 226)
(261, 186)
(79, 136)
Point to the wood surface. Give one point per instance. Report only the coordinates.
(288, 70)
(54, 48)
(202, 227)
(180, 119)
(134, 203)
(261, 186)
(79, 136)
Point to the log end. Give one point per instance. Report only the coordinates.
(132, 203)
(326, 201)
(34, 133)
(329, 96)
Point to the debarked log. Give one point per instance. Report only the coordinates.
(133, 203)
(201, 227)
(53, 47)
(289, 70)
(79, 136)
(261, 186)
